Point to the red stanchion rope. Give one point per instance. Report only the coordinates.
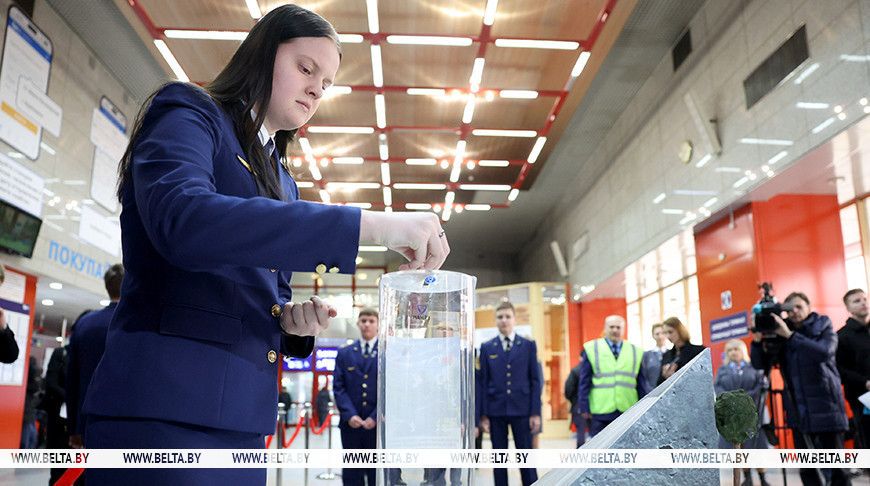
(299, 425)
(326, 422)
(69, 477)
(269, 437)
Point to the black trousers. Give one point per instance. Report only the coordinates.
(822, 440)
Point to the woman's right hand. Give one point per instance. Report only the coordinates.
(417, 236)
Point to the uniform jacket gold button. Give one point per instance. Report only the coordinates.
(509, 383)
(365, 394)
(333, 270)
(364, 403)
(365, 386)
(272, 356)
(276, 310)
(365, 376)
(508, 366)
(509, 392)
(508, 374)
(272, 270)
(320, 269)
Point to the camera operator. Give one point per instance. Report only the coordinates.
(804, 346)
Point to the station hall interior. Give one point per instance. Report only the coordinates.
(649, 158)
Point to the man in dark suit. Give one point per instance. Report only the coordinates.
(512, 390)
(355, 386)
(86, 346)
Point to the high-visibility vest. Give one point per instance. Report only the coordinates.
(614, 381)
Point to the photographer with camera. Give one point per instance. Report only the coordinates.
(804, 346)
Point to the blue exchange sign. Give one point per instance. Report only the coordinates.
(728, 327)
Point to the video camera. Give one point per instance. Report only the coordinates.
(765, 308)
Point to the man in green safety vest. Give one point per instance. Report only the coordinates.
(611, 376)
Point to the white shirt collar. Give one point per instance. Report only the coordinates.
(372, 343)
(263, 134)
(512, 336)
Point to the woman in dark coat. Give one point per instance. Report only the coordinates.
(738, 374)
(682, 352)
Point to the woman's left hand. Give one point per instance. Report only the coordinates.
(307, 318)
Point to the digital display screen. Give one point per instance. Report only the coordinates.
(324, 359)
(18, 229)
(297, 364)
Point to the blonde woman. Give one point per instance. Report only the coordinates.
(736, 373)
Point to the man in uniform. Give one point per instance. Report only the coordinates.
(512, 390)
(355, 386)
(611, 376)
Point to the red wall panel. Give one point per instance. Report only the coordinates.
(12, 397)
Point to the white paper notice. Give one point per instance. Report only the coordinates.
(107, 136)
(865, 399)
(423, 406)
(36, 105)
(100, 231)
(21, 186)
(13, 287)
(103, 178)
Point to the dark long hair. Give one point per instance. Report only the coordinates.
(246, 82)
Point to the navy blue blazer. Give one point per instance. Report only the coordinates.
(195, 337)
(86, 347)
(510, 380)
(355, 382)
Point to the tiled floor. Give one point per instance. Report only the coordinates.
(482, 477)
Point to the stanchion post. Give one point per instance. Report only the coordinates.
(279, 435)
(328, 474)
(307, 418)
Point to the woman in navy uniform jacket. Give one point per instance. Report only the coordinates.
(211, 230)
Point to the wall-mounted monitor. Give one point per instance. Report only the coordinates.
(18, 230)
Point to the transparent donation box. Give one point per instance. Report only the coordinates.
(426, 368)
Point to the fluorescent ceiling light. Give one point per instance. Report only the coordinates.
(478, 207)
(457, 168)
(421, 161)
(489, 12)
(380, 110)
(825, 124)
(740, 182)
(513, 195)
(418, 206)
(766, 141)
(336, 90)
(468, 113)
(372, 248)
(350, 38)
(581, 64)
(776, 158)
(806, 105)
(304, 184)
(854, 58)
(460, 148)
(445, 215)
(388, 196)
(55, 285)
(372, 9)
(418, 186)
(429, 40)
(661, 197)
(494, 163)
(711, 201)
(728, 169)
(477, 71)
(47, 302)
(334, 129)
(377, 67)
(485, 187)
(233, 35)
(518, 94)
(385, 173)
(324, 196)
(704, 160)
(75, 182)
(254, 9)
(536, 150)
(348, 160)
(486, 132)
(537, 44)
(425, 91)
(672, 211)
(804, 75)
(694, 192)
(363, 205)
(170, 59)
(305, 144)
(315, 172)
(689, 217)
(350, 186)
(383, 150)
